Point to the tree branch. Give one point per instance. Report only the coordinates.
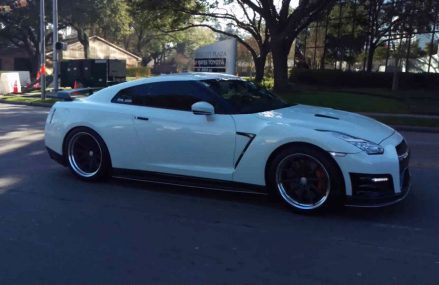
(238, 38)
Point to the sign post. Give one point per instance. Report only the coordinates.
(42, 51)
(55, 51)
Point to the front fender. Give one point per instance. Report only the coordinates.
(251, 168)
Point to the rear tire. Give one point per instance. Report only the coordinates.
(87, 155)
(305, 178)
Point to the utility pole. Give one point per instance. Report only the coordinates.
(54, 48)
(42, 51)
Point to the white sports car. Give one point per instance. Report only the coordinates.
(217, 131)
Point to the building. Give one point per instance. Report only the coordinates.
(14, 59)
(100, 49)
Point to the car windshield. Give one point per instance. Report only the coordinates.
(245, 97)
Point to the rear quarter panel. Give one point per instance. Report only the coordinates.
(112, 122)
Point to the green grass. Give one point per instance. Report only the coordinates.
(368, 100)
(27, 99)
(355, 102)
(418, 122)
(347, 101)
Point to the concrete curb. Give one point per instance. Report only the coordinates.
(397, 127)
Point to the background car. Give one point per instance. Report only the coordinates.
(217, 131)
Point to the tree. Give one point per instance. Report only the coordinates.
(394, 20)
(187, 41)
(284, 24)
(148, 39)
(103, 17)
(114, 21)
(430, 48)
(345, 34)
(19, 28)
(243, 24)
(280, 23)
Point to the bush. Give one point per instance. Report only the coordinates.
(141, 71)
(350, 79)
(266, 83)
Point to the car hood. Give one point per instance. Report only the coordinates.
(328, 119)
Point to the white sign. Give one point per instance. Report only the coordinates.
(217, 57)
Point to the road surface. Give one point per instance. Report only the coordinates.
(55, 229)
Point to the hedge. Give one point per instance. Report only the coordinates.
(350, 79)
(142, 71)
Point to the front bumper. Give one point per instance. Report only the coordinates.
(377, 180)
(386, 197)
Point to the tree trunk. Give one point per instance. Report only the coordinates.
(259, 70)
(260, 61)
(395, 81)
(280, 51)
(370, 54)
(83, 39)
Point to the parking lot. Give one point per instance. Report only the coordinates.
(55, 229)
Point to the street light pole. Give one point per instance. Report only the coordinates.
(54, 48)
(42, 51)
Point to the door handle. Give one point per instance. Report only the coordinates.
(141, 118)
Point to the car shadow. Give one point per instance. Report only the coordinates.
(383, 214)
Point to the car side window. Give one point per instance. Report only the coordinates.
(131, 95)
(175, 95)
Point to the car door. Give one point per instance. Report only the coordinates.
(177, 141)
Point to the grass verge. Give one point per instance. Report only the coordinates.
(27, 99)
(406, 121)
(348, 101)
(354, 102)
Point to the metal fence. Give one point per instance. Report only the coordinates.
(373, 35)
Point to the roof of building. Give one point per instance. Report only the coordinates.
(75, 41)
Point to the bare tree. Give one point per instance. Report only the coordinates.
(248, 27)
(284, 24)
(391, 20)
(275, 27)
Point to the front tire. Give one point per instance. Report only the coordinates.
(305, 178)
(87, 155)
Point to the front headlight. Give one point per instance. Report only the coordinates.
(365, 145)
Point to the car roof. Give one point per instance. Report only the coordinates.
(107, 94)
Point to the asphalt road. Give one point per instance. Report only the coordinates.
(55, 229)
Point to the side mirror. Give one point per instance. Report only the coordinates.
(203, 108)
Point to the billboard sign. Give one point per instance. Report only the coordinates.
(217, 57)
